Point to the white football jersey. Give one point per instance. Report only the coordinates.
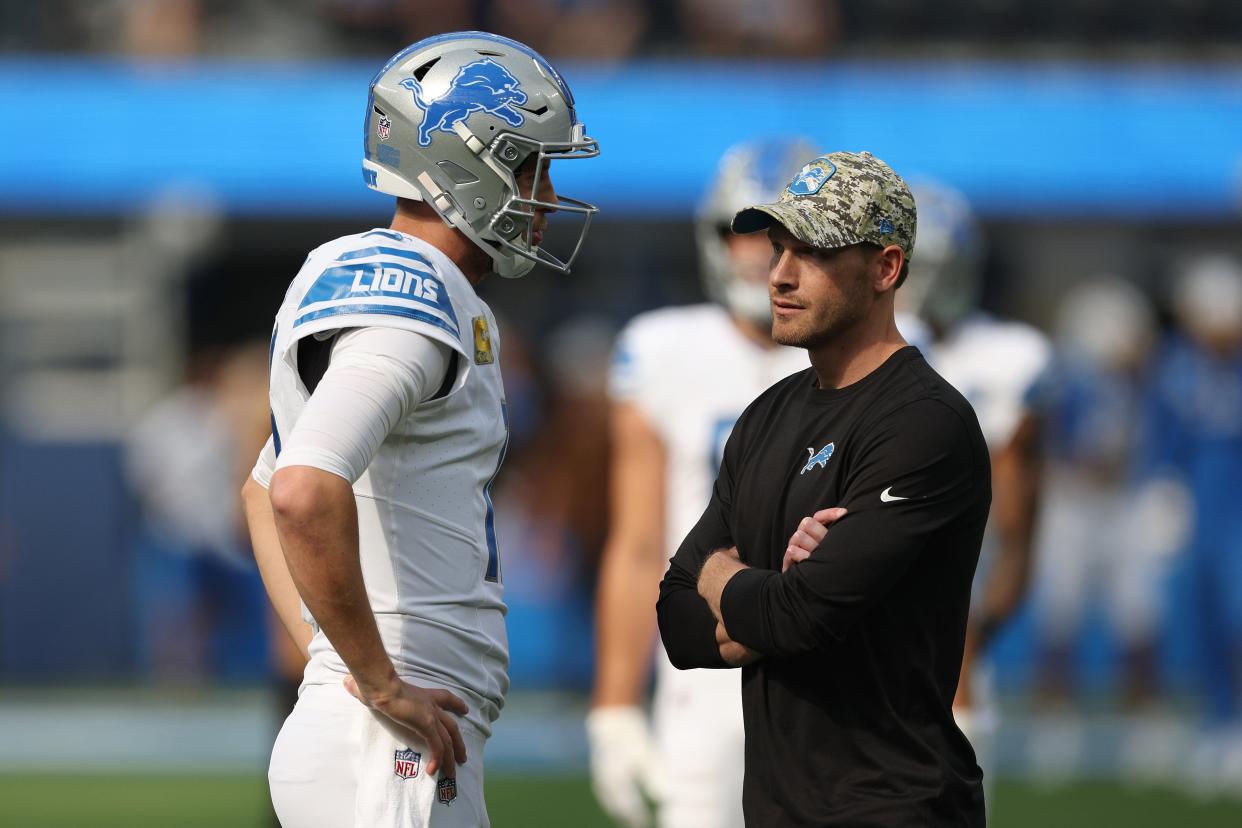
(998, 366)
(426, 530)
(691, 372)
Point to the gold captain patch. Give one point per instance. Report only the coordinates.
(482, 342)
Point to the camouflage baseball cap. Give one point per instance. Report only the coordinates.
(840, 199)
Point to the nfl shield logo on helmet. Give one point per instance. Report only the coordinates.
(446, 789)
(384, 127)
(405, 763)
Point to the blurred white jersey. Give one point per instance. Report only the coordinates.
(427, 540)
(998, 367)
(691, 373)
(915, 331)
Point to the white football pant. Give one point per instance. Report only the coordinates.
(701, 741)
(338, 764)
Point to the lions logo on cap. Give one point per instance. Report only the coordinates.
(482, 86)
(812, 177)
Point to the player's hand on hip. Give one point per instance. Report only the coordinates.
(624, 763)
(733, 653)
(428, 713)
(810, 532)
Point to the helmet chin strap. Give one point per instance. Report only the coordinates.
(441, 200)
(444, 204)
(447, 208)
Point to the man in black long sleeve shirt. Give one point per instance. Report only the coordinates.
(851, 656)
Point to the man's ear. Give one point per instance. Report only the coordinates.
(888, 264)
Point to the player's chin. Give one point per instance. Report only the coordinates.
(788, 332)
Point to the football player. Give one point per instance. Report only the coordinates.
(371, 502)
(1193, 440)
(1000, 366)
(681, 376)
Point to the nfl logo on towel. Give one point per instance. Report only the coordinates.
(405, 763)
(446, 789)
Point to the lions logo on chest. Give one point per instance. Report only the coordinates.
(818, 458)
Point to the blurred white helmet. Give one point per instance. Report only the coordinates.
(945, 268)
(753, 172)
(1207, 297)
(1107, 322)
(451, 118)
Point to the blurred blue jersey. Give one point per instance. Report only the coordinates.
(1092, 417)
(1193, 430)
(1193, 426)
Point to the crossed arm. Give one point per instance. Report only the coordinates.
(839, 573)
(723, 564)
(730, 614)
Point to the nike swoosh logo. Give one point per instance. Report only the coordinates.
(887, 496)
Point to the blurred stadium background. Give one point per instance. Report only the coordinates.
(165, 165)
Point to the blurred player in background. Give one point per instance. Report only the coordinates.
(999, 366)
(1100, 538)
(680, 378)
(198, 595)
(1193, 437)
(388, 429)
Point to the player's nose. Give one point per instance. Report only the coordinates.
(545, 192)
(782, 274)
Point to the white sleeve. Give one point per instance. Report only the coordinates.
(265, 465)
(636, 370)
(375, 377)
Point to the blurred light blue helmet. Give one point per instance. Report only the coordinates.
(1107, 322)
(754, 172)
(945, 278)
(1207, 296)
(450, 118)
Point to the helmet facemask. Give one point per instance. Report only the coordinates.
(749, 173)
(512, 226)
(734, 279)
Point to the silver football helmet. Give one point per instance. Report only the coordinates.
(945, 278)
(451, 118)
(753, 172)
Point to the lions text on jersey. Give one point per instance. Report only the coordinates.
(427, 538)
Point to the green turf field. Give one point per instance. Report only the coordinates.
(546, 802)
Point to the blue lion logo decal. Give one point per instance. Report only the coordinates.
(811, 177)
(482, 86)
(818, 458)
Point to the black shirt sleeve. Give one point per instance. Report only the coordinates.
(687, 626)
(918, 472)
